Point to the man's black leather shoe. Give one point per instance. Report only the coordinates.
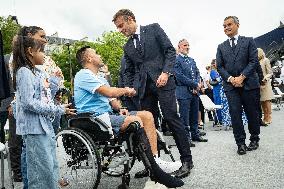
(200, 139)
(263, 124)
(191, 144)
(242, 149)
(167, 133)
(201, 133)
(184, 170)
(17, 178)
(253, 145)
(142, 174)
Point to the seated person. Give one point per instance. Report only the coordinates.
(92, 94)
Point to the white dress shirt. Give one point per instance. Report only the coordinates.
(235, 40)
(138, 33)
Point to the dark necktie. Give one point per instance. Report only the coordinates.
(138, 43)
(233, 43)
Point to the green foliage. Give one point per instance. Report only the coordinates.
(61, 59)
(9, 29)
(109, 46)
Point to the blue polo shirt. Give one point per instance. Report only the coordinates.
(86, 98)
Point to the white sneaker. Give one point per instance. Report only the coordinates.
(166, 166)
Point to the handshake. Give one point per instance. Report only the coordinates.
(130, 92)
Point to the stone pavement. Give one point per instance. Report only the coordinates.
(218, 166)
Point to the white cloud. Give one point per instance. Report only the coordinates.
(198, 21)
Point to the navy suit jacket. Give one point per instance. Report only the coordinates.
(243, 60)
(187, 77)
(158, 55)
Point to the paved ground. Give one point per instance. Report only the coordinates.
(217, 165)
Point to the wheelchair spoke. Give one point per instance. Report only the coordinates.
(78, 161)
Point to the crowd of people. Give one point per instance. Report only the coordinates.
(156, 82)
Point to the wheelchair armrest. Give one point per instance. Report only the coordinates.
(96, 128)
(85, 114)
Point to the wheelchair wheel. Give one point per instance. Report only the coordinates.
(115, 159)
(78, 159)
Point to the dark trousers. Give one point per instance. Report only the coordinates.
(167, 100)
(238, 98)
(3, 119)
(209, 93)
(132, 104)
(188, 109)
(164, 125)
(201, 109)
(15, 146)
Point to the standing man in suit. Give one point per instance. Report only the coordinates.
(187, 91)
(237, 64)
(132, 104)
(150, 57)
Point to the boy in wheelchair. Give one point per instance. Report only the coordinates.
(92, 94)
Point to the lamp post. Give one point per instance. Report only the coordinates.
(67, 43)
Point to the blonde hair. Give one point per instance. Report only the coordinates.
(260, 54)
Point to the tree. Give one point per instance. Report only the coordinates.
(109, 46)
(61, 58)
(9, 29)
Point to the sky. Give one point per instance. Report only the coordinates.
(198, 21)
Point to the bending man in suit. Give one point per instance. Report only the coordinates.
(237, 64)
(150, 57)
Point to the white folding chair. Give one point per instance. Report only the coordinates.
(280, 93)
(277, 96)
(209, 105)
(4, 152)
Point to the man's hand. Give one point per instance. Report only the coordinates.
(199, 86)
(10, 111)
(130, 92)
(104, 69)
(123, 111)
(239, 81)
(202, 90)
(162, 79)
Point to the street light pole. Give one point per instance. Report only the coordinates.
(70, 67)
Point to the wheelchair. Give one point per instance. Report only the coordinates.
(87, 148)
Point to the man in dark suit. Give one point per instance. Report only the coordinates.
(237, 64)
(4, 83)
(15, 141)
(150, 57)
(132, 104)
(187, 90)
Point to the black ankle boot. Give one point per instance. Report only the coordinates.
(156, 173)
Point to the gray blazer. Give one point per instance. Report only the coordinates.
(243, 60)
(158, 55)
